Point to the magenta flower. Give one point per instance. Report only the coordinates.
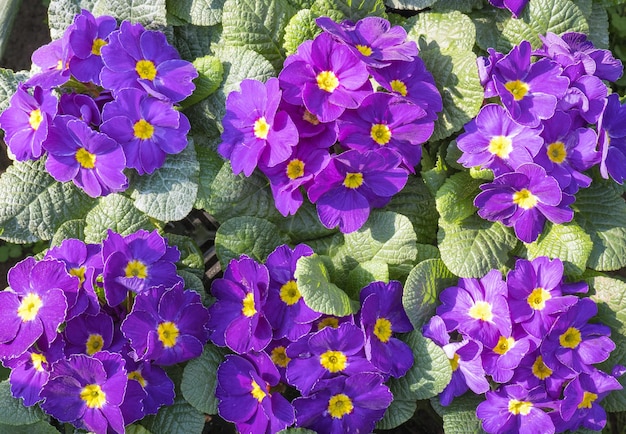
(255, 130)
(316, 134)
(26, 121)
(612, 140)
(88, 334)
(147, 128)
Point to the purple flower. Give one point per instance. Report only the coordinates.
(285, 308)
(88, 334)
(485, 71)
(533, 372)
(143, 59)
(383, 120)
(514, 6)
(167, 325)
(277, 350)
(612, 140)
(314, 133)
(34, 306)
(87, 37)
(238, 317)
(382, 314)
(327, 77)
(345, 405)
(158, 387)
(80, 106)
(586, 97)
(91, 160)
(372, 39)
(524, 199)
(87, 392)
(245, 397)
(352, 184)
(53, 60)
(137, 262)
(147, 128)
(254, 129)
(502, 360)
(494, 141)
(26, 121)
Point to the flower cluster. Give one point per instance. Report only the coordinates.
(322, 126)
(531, 336)
(117, 88)
(338, 365)
(551, 121)
(87, 329)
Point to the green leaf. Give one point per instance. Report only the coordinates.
(398, 412)
(301, 27)
(460, 416)
(8, 85)
(540, 17)
(136, 429)
(455, 199)
(434, 173)
(151, 13)
(568, 242)
(352, 10)
(599, 26)
(210, 165)
(61, 14)
(410, 5)
(40, 427)
(258, 26)
(169, 193)
(318, 292)
(459, 5)
(247, 235)
(193, 42)
(415, 202)
(489, 23)
(364, 274)
(178, 418)
(13, 411)
(193, 282)
(473, 247)
(210, 76)
(33, 205)
(296, 431)
(69, 229)
(304, 225)
(601, 212)
(115, 212)
(198, 12)
(190, 254)
(422, 288)
(198, 384)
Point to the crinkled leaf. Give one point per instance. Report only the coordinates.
(198, 12)
(210, 165)
(61, 14)
(13, 411)
(426, 251)
(247, 235)
(300, 28)
(585, 6)
(567, 242)
(415, 202)
(364, 274)
(422, 288)
(210, 76)
(460, 416)
(352, 10)
(319, 293)
(151, 13)
(40, 427)
(69, 229)
(304, 225)
(198, 385)
(489, 23)
(455, 199)
(449, 32)
(33, 204)
(8, 85)
(169, 193)
(398, 412)
(434, 173)
(194, 42)
(410, 5)
(328, 245)
(190, 254)
(599, 26)
(296, 431)
(192, 282)
(115, 212)
(136, 429)
(178, 418)
(459, 5)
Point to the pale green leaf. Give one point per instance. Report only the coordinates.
(451, 32)
(301, 27)
(410, 5)
(199, 380)
(599, 26)
(151, 13)
(352, 10)
(426, 251)
(398, 412)
(8, 85)
(169, 193)
(210, 76)
(33, 205)
(364, 274)
(585, 6)
(13, 411)
(459, 5)
(178, 418)
(460, 416)
(210, 165)
(434, 173)
(198, 12)
(61, 14)
(136, 429)
(328, 246)
(69, 229)
(455, 199)
(40, 427)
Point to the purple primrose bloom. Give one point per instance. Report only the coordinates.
(533, 372)
(53, 60)
(153, 379)
(80, 106)
(514, 6)
(612, 140)
(88, 334)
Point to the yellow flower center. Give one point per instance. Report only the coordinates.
(261, 128)
(588, 398)
(248, 305)
(146, 69)
(537, 299)
(382, 329)
(353, 180)
(289, 293)
(364, 49)
(339, 405)
(94, 344)
(143, 129)
(520, 407)
(525, 199)
(500, 146)
(93, 396)
(504, 345)
(557, 152)
(279, 357)
(29, 307)
(35, 118)
(328, 322)
(328, 81)
(168, 333)
(334, 361)
(136, 375)
(136, 268)
(571, 338)
(78, 272)
(540, 370)
(399, 86)
(97, 45)
(38, 361)
(454, 362)
(257, 392)
(295, 169)
(481, 310)
(380, 133)
(86, 159)
(518, 89)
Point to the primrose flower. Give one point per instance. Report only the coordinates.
(524, 199)
(344, 405)
(34, 306)
(147, 128)
(159, 388)
(88, 334)
(80, 106)
(87, 392)
(245, 397)
(501, 361)
(26, 121)
(612, 140)
(311, 131)
(167, 325)
(533, 372)
(143, 59)
(514, 6)
(237, 318)
(53, 60)
(255, 130)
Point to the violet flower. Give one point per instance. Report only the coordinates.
(612, 140)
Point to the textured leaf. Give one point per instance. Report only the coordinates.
(398, 412)
(136, 429)
(40, 427)
(455, 199)
(304, 225)
(69, 229)
(193, 42)
(151, 13)
(198, 12)
(13, 412)
(8, 85)
(410, 5)
(296, 431)
(319, 293)
(247, 235)
(169, 193)
(198, 385)
(352, 10)
(190, 254)
(258, 26)
(33, 205)
(489, 23)
(300, 28)
(460, 416)
(61, 14)
(364, 274)
(599, 26)
(459, 5)
(210, 164)
(115, 212)
(415, 202)
(567, 242)
(422, 288)
(434, 173)
(210, 76)
(178, 418)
